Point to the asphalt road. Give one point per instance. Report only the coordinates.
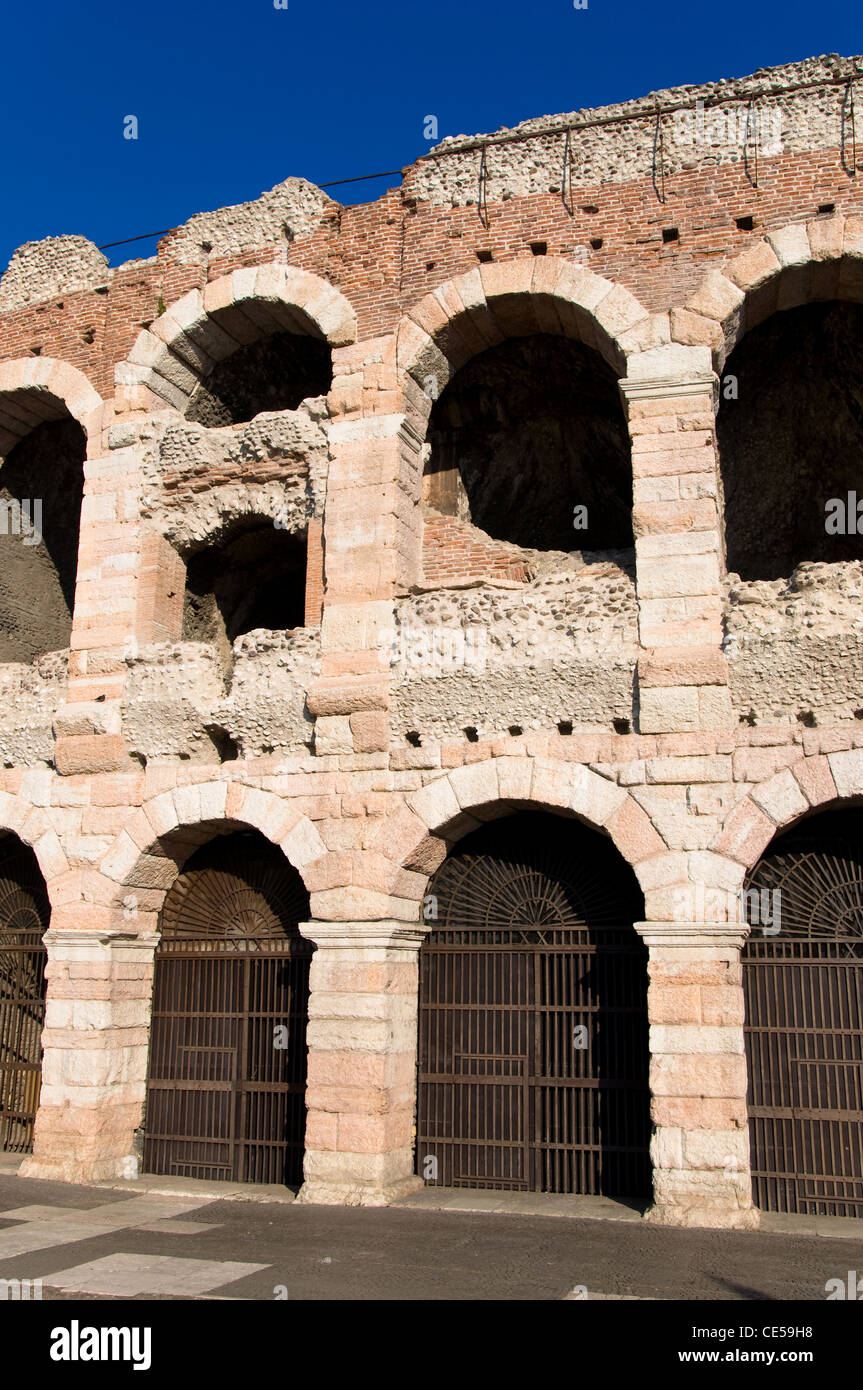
(86, 1242)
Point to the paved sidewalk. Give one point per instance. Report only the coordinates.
(100, 1243)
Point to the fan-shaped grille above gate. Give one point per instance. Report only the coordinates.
(236, 893)
(24, 916)
(226, 1087)
(533, 1022)
(803, 979)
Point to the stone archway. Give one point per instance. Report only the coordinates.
(227, 1052)
(790, 266)
(182, 345)
(86, 1126)
(533, 1051)
(803, 1027)
(363, 1022)
(486, 308)
(35, 390)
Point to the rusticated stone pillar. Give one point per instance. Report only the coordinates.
(94, 1070)
(362, 1038)
(700, 1144)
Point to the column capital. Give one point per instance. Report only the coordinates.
(692, 935)
(388, 934)
(82, 937)
(657, 388)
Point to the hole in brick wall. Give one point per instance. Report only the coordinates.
(140, 758)
(792, 439)
(414, 739)
(749, 719)
(43, 474)
(88, 335)
(275, 373)
(430, 265)
(523, 434)
(745, 224)
(565, 726)
(516, 730)
(36, 351)
(670, 234)
(596, 243)
(254, 578)
(225, 746)
(484, 256)
(858, 714)
(826, 207)
(589, 207)
(622, 726)
(539, 248)
(471, 734)
(807, 718)
(101, 289)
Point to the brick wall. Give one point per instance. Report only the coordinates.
(454, 549)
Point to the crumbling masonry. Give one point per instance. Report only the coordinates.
(330, 583)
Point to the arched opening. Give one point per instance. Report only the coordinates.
(803, 982)
(254, 577)
(533, 1050)
(24, 916)
(790, 435)
(227, 1065)
(274, 373)
(524, 435)
(41, 486)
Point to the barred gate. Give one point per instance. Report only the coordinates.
(227, 1069)
(804, 1022)
(533, 1054)
(24, 916)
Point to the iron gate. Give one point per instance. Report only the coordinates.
(227, 1072)
(804, 1020)
(533, 1054)
(24, 915)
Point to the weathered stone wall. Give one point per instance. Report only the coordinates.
(687, 715)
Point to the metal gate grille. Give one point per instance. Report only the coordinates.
(24, 915)
(804, 1021)
(226, 1085)
(533, 1024)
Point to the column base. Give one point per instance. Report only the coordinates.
(81, 1171)
(704, 1217)
(320, 1193)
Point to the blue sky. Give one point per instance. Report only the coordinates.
(231, 98)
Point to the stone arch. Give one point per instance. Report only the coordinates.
(145, 857)
(797, 264)
(34, 390)
(184, 343)
(542, 294)
(811, 784)
(417, 837)
(488, 307)
(30, 823)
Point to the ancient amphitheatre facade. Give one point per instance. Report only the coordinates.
(330, 610)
